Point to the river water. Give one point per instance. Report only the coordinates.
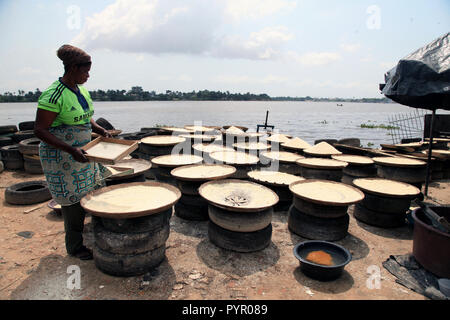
(307, 120)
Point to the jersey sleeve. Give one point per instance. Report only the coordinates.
(47, 101)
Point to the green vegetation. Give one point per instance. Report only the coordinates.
(378, 126)
(370, 144)
(308, 98)
(21, 96)
(138, 94)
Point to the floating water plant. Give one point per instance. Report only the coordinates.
(378, 126)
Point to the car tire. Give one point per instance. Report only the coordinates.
(26, 125)
(239, 241)
(128, 265)
(130, 243)
(149, 223)
(29, 192)
(102, 122)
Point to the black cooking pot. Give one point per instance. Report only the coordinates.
(341, 257)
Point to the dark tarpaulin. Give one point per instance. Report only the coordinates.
(412, 275)
(422, 79)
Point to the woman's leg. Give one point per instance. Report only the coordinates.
(73, 225)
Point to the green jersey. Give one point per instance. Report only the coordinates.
(73, 108)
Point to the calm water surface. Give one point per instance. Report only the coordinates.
(307, 120)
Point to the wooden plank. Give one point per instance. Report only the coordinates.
(119, 171)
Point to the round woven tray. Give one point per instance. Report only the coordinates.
(243, 135)
(321, 163)
(414, 145)
(278, 138)
(273, 178)
(203, 172)
(296, 144)
(162, 141)
(233, 128)
(438, 140)
(281, 156)
(254, 134)
(198, 137)
(326, 192)
(238, 195)
(211, 147)
(200, 128)
(385, 187)
(398, 162)
(234, 157)
(176, 160)
(322, 148)
(443, 154)
(177, 130)
(130, 200)
(353, 160)
(256, 146)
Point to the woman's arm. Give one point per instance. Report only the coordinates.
(44, 119)
(100, 130)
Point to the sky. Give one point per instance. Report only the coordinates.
(297, 48)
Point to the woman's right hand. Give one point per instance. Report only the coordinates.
(79, 155)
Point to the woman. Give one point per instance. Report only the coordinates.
(64, 124)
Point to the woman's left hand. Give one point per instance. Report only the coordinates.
(106, 134)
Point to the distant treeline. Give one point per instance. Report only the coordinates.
(138, 94)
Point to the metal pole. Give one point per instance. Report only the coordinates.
(430, 148)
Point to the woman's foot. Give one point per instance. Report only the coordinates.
(83, 253)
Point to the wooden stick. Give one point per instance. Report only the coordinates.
(32, 209)
(10, 284)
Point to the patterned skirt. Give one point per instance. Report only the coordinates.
(67, 179)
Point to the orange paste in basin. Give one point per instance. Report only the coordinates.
(320, 257)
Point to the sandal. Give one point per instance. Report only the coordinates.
(83, 253)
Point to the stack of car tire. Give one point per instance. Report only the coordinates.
(240, 214)
(240, 232)
(318, 227)
(150, 151)
(405, 170)
(6, 133)
(11, 139)
(10, 160)
(26, 131)
(387, 206)
(29, 148)
(11, 157)
(321, 218)
(130, 247)
(191, 206)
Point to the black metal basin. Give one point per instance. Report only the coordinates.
(341, 257)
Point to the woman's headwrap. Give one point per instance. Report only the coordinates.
(71, 55)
